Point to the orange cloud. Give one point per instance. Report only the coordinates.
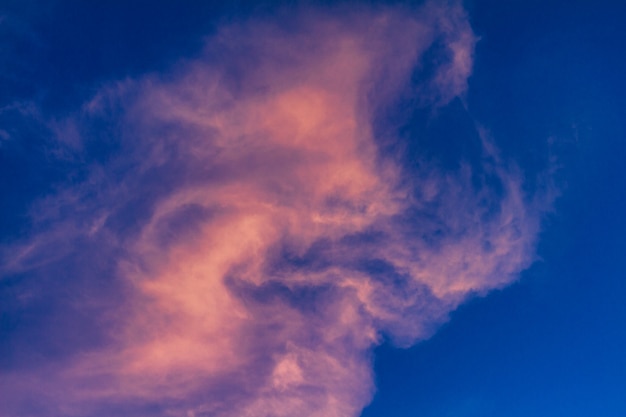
(250, 290)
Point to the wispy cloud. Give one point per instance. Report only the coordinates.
(261, 243)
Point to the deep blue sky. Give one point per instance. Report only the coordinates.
(548, 82)
(552, 344)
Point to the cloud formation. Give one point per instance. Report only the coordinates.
(259, 241)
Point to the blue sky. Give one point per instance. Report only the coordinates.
(552, 343)
(380, 209)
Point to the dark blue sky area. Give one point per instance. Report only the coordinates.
(553, 344)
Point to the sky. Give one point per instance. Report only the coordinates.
(314, 208)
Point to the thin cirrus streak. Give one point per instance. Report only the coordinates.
(263, 241)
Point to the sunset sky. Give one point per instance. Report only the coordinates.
(312, 209)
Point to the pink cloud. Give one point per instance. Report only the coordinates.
(251, 288)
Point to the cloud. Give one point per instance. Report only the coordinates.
(258, 240)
